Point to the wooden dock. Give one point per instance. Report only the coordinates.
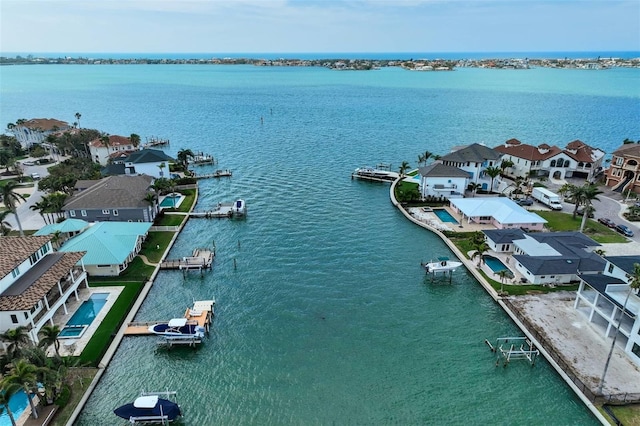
(201, 312)
(201, 259)
(223, 210)
(216, 174)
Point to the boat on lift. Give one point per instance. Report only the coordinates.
(150, 408)
(442, 265)
(239, 207)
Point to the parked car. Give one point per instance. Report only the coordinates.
(35, 176)
(28, 163)
(624, 230)
(607, 222)
(525, 202)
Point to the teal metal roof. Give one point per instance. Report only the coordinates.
(68, 225)
(107, 243)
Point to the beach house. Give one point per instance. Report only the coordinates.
(114, 198)
(610, 305)
(36, 130)
(623, 173)
(474, 159)
(35, 282)
(500, 212)
(109, 246)
(439, 180)
(152, 162)
(112, 147)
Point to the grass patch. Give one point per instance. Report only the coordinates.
(522, 289)
(101, 339)
(79, 379)
(629, 415)
(559, 221)
(155, 245)
(136, 271)
(169, 220)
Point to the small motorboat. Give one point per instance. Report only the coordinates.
(150, 408)
(442, 265)
(239, 208)
(179, 327)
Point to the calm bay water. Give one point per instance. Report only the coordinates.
(327, 317)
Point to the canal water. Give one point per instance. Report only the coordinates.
(323, 313)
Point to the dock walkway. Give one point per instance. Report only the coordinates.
(200, 259)
(223, 210)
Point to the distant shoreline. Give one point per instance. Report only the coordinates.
(342, 63)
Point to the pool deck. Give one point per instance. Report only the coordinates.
(73, 346)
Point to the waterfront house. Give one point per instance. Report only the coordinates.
(109, 246)
(152, 162)
(36, 130)
(576, 160)
(63, 230)
(439, 180)
(474, 159)
(623, 173)
(35, 282)
(500, 212)
(610, 305)
(116, 147)
(501, 240)
(114, 198)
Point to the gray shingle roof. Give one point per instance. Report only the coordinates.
(624, 262)
(113, 192)
(473, 153)
(440, 170)
(148, 156)
(501, 236)
(555, 265)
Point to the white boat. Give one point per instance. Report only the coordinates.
(377, 174)
(178, 328)
(442, 265)
(239, 208)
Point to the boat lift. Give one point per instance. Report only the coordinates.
(508, 348)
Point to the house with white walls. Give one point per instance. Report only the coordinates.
(474, 159)
(117, 147)
(439, 180)
(36, 282)
(36, 130)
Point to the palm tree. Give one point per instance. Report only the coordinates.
(41, 207)
(479, 247)
(135, 140)
(504, 274)
(589, 194)
(403, 168)
(7, 390)
(5, 227)
(161, 166)
(183, 157)
(426, 156)
(565, 189)
(16, 338)
(49, 336)
(421, 159)
(506, 164)
(78, 115)
(11, 199)
(24, 374)
(634, 285)
(492, 172)
(56, 238)
(56, 201)
(473, 187)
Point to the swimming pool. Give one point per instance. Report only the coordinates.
(84, 316)
(172, 200)
(444, 216)
(495, 264)
(18, 403)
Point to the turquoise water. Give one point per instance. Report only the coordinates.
(171, 201)
(88, 310)
(495, 264)
(444, 216)
(18, 403)
(323, 313)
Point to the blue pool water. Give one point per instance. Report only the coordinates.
(495, 264)
(87, 312)
(444, 216)
(171, 201)
(18, 403)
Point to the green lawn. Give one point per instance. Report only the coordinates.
(189, 201)
(561, 221)
(136, 271)
(79, 380)
(101, 339)
(156, 244)
(169, 220)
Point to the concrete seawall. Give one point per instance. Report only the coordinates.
(496, 297)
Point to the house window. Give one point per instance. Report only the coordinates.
(26, 315)
(72, 213)
(105, 211)
(15, 272)
(44, 249)
(619, 161)
(14, 318)
(83, 213)
(543, 276)
(610, 270)
(33, 258)
(553, 163)
(552, 276)
(636, 350)
(115, 212)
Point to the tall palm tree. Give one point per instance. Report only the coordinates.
(11, 199)
(566, 189)
(421, 159)
(161, 166)
(7, 390)
(41, 207)
(427, 155)
(16, 338)
(473, 187)
(506, 164)
(183, 157)
(403, 168)
(49, 336)
(78, 115)
(492, 172)
(135, 140)
(24, 374)
(589, 194)
(479, 248)
(504, 274)
(56, 202)
(634, 285)
(5, 227)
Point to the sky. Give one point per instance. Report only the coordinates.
(310, 26)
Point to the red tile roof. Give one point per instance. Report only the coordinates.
(44, 124)
(15, 250)
(114, 140)
(528, 152)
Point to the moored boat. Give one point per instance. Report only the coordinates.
(239, 208)
(150, 408)
(178, 327)
(442, 265)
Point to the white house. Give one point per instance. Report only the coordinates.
(439, 180)
(474, 159)
(610, 305)
(117, 147)
(152, 162)
(35, 282)
(500, 212)
(36, 130)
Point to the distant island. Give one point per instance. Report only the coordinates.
(344, 64)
